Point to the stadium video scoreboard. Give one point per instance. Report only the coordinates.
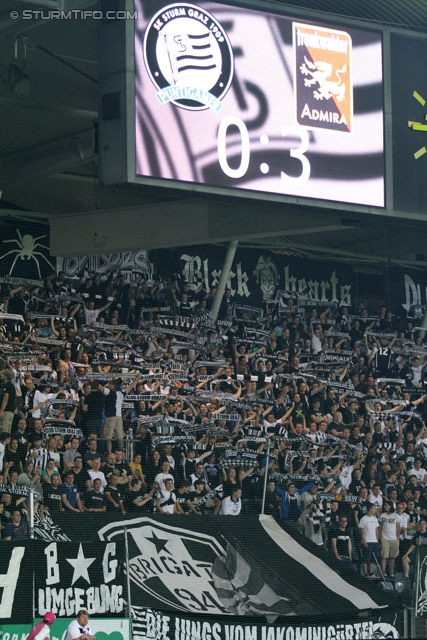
(238, 100)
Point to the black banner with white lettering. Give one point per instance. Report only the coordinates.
(158, 626)
(71, 576)
(255, 276)
(16, 582)
(224, 566)
(408, 294)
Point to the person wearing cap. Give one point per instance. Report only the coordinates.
(79, 629)
(41, 631)
(7, 406)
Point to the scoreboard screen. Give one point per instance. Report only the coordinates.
(247, 100)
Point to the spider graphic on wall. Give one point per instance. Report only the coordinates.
(26, 251)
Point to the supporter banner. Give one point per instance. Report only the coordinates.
(408, 288)
(14, 490)
(155, 625)
(72, 576)
(227, 566)
(255, 277)
(60, 430)
(113, 328)
(130, 264)
(24, 251)
(16, 582)
(16, 282)
(9, 317)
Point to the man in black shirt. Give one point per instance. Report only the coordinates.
(137, 500)
(335, 514)
(7, 405)
(93, 500)
(13, 456)
(52, 495)
(93, 406)
(272, 500)
(182, 494)
(20, 433)
(362, 508)
(109, 466)
(114, 496)
(341, 542)
(122, 466)
(356, 483)
(194, 497)
(81, 476)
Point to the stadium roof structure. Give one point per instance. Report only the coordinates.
(49, 172)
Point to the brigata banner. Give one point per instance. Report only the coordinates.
(223, 567)
(155, 625)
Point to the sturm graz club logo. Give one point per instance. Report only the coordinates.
(188, 57)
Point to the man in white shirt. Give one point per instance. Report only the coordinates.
(232, 505)
(40, 398)
(389, 534)
(418, 471)
(316, 343)
(376, 498)
(96, 473)
(167, 502)
(369, 532)
(91, 314)
(164, 475)
(80, 629)
(403, 519)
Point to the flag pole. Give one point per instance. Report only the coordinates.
(265, 477)
(128, 580)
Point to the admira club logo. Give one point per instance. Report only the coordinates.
(323, 85)
(169, 567)
(188, 57)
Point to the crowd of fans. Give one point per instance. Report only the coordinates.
(130, 398)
